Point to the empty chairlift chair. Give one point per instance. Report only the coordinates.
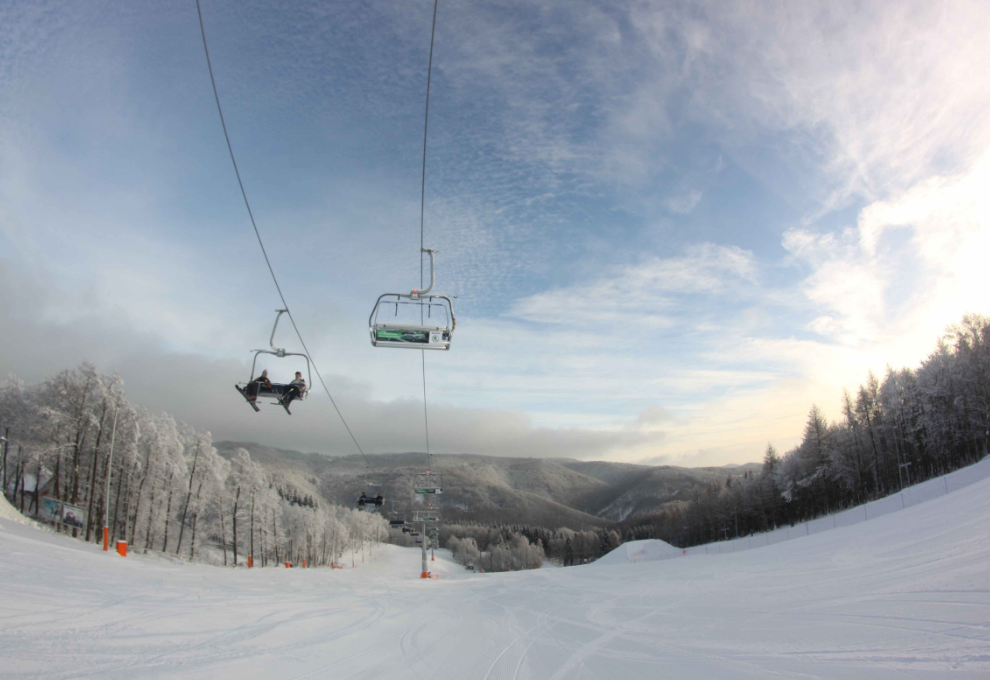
(416, 320)
(428, 483)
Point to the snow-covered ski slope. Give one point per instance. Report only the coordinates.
(652, 550)
(906, 595)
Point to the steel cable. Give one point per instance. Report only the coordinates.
(257, 234)
(422, 242)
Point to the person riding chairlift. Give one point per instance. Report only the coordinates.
(380, 500)
(363, 499)
(295, 390)
(255, 385)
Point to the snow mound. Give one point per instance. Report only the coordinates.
(640, 551)
(10, 513)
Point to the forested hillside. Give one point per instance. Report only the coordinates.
(909, 426)
(170, 490)
(488, 490)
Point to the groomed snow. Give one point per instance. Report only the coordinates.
(904, 596)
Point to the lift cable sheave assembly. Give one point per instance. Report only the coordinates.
(257, 233)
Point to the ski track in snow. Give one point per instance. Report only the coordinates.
(906, 595)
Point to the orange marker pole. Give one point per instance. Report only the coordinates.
(106, 495)
(250, 561)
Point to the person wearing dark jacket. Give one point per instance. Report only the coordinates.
(255, 385)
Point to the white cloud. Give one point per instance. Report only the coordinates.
(644, 296)
(868, 290)
(845, 282)
(869, 96)
(684, 203)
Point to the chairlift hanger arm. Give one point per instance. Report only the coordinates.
(271, 341)
(417, 294)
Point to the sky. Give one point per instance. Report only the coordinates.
(671, 227)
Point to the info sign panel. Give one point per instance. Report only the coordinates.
(58, 512)
(403, 336)
(51, 510)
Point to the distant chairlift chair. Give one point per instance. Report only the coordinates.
(428, 483)
(375, 502)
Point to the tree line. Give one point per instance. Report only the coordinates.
(912, 425)
(515, 547)
(170, 490)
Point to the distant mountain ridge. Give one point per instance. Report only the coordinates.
(550, 492)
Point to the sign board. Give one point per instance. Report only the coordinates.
(50, 511)
(58, 512)
(403, 336)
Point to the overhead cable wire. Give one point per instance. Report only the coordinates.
(261, 243)
(422, 210)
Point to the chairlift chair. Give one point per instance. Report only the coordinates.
(367, 499)
(370, 502)
(428, 483)
(428, 516)
(433, 330)
(277, 390)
